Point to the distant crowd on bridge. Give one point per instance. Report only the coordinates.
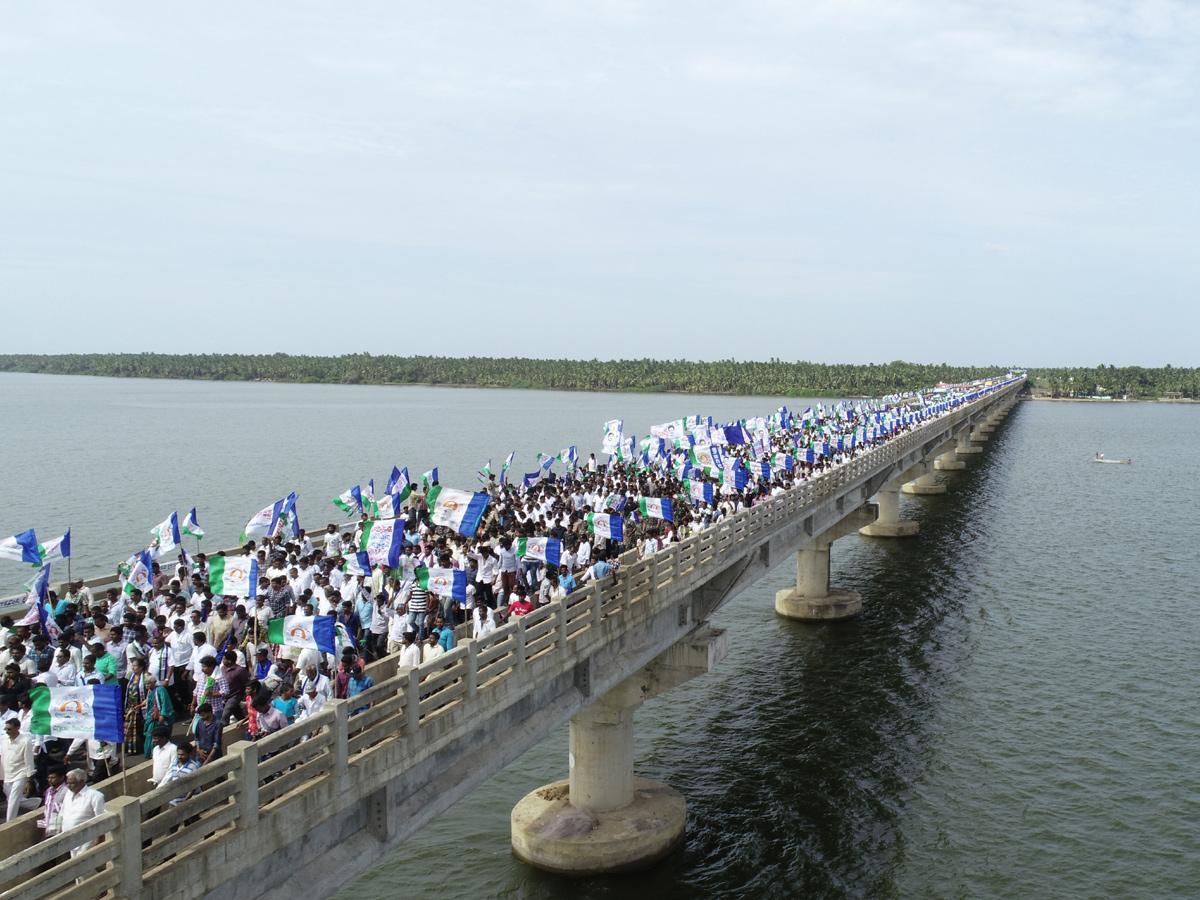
(191, 663)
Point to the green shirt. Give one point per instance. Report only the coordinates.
(107, 664)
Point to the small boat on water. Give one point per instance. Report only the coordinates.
(1114, 462)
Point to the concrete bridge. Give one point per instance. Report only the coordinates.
(289, 820)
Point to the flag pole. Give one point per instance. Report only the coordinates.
(68, 561)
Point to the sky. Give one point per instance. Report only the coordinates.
(1011, 182)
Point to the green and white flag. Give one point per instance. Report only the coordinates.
(233, 576)
(191, 526)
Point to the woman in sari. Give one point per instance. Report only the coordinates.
(158, 710)
(136, 733)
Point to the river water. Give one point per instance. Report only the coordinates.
(1015, 714)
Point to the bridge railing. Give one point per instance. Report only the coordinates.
(180, 833)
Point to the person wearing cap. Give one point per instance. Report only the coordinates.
(313, 679)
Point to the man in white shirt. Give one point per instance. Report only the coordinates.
(410, 650)
(81, 805)
(16, 751)
(313, 680)
(201, 649)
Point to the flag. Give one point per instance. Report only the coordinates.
(357, 564)
(233, 576)
(544, 462)
(37, 590)
(289, 520)
(191, 526)
(188, 562)
(308, 632)
(388, 506)
(399, 483)
(656, 508)
(782, 461)
(166, 536)
(548, 550)
(263, 523)
(569, 457)
(21, 547)
(429, 478)
(612, 436)
(350, 502)
(139, 575)
(531, 478)
(615, 502)
(92, 711)
(700, 490)
(606, 526)
(459, 510)
(57, 548)
(507, 463)
(760, 469)
(486, 472)
(382, 542)
(443, 582)
(342, 639)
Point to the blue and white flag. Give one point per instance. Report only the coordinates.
(430, 478)
(760, 469)
(531, 478)
(700, 490)
(504, 468)
(485, 473)
(443, 582)
(606, 526)
(351, 503)
(398, 481)
(166, 536)
(382, 542)
(21, 547)
(656, 508)
(56, 548)
(387, 506)
(267, 522)
(548, 550)
(357, 564)
(289, 519)
(139, 577)
(92, 711)
(191, 526)
(460, 511)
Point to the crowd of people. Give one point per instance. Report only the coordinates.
(191, 664)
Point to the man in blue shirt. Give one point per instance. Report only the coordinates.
(445, 634)
(566, 580)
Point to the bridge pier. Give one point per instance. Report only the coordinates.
(965, 446)
(603, 819)
(924, 483)
(812, 599)
(889, 524)
(948, 462)
(977, 435)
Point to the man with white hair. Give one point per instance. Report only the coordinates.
(80, 806)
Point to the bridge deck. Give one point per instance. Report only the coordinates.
(284, 818)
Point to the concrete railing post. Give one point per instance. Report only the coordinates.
(562, 626)
(412, 700)
(247, 794)
(472, 668)
(129, 838)
(519, 651)
(341, 735)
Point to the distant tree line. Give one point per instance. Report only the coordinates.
(648, 375)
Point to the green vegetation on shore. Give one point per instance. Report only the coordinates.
(645, 375)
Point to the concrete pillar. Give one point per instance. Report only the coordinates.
(600, 756)
(603, 819)
(889, 524)
(924, 483)
(964, 445)
(812, 599)
(948, 462)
